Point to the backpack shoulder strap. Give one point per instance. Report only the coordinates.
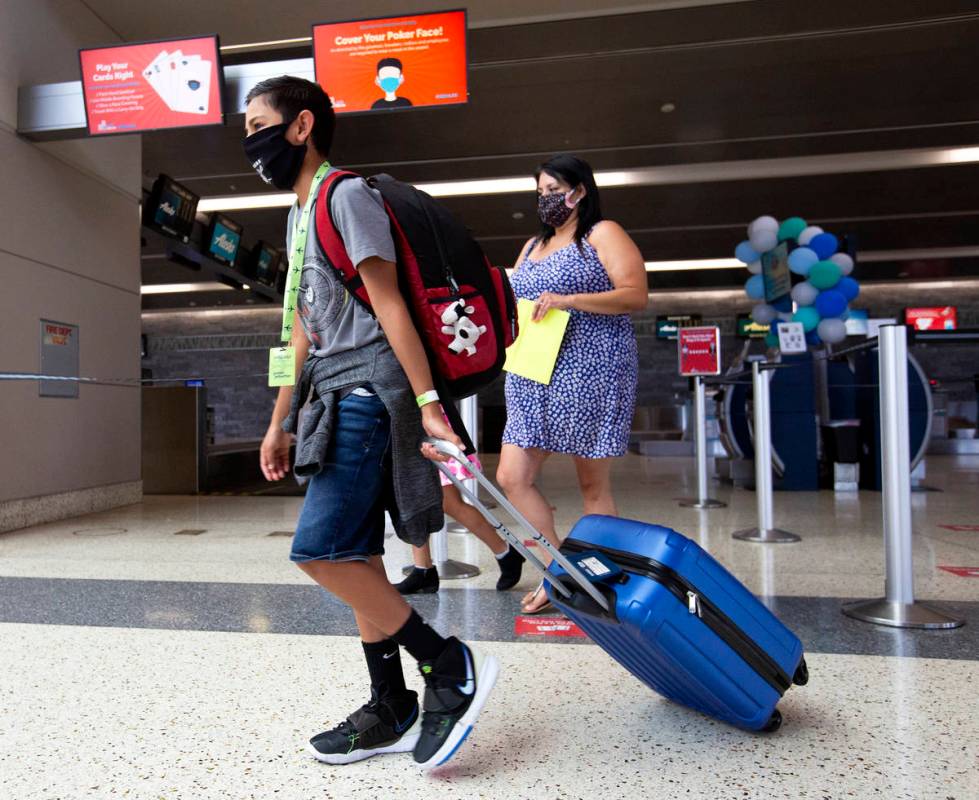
(328, 235)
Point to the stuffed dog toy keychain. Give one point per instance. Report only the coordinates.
(456, 323)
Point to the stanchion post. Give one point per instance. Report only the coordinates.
(766, 532)
(897, 608)
(700, 450)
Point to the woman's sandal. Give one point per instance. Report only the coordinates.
(531, 597)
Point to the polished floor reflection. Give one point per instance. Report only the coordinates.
(169, 650)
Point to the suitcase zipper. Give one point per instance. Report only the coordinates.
(715, 619)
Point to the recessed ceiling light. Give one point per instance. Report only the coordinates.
(518, 215)
(668, 108)
(246, 287)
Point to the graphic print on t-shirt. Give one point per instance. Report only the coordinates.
(320, 302)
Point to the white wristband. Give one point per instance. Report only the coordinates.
(428, 397)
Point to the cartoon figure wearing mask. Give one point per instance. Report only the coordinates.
(389, 79)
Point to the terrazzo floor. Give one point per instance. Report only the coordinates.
(138, 663)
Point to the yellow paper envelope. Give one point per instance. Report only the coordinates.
(534, 353)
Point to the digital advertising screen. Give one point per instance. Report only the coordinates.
(171, 208)
(393, 62)
(938, 318)
(152, 85)
(223, 239)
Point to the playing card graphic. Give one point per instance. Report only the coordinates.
(182, 82)
(193, 85)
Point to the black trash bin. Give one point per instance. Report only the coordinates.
(841, 441)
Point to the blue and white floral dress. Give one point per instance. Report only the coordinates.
(587, 408)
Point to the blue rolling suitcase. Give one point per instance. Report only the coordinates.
(669, 613)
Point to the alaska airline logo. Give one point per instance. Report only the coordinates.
(224, 242)
(168, 209)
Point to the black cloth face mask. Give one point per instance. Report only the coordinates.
(273, 157)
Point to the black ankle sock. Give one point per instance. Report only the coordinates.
(384, 665)
(420, 640)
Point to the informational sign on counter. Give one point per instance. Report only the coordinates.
(59, 356)
(394, 62)
(699, 351)
(150, 86)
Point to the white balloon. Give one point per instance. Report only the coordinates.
(832, 331)
(763, 313)
(804, 293)
(764, 239)
(807, 233)
(765, 223)
(843, 261)
(785, 316)
(754, 267)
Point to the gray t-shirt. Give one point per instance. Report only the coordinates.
(333, 321)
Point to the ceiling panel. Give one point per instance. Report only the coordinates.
(748, 80)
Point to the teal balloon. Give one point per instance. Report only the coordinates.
(755, 287)
(824, 274)
(808, 316)
(791, 228)
(771, 339)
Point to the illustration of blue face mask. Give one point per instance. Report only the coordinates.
(390, 84)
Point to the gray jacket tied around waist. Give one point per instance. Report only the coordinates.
(414, 498)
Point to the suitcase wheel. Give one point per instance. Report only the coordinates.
(774, 722)
(801, 677)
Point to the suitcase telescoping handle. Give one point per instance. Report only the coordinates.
(449, 449)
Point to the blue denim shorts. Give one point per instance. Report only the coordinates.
(342, 518)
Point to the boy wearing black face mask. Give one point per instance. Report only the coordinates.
(368, 378)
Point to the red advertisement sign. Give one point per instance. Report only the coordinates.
(699, 351)
(393, 62)
(148, 86)
(963, 572)
(938, 318)
(546, 626)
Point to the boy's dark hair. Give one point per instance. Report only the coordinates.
(289, 95)
(575, 172)
(390, 62)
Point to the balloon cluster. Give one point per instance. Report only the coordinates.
(822, 299)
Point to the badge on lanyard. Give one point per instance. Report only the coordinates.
(282, 360)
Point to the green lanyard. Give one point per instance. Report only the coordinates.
(297, 254)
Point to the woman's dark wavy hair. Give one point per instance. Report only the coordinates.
(574, 172)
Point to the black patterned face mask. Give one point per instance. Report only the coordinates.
(553, 209)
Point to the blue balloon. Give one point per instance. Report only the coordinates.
(848, 287)
(801, 260)
(830, 303)
(745, 253)
(824, 245)
(813, 338)
(755, 287)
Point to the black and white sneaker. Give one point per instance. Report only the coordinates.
(457, 685)
(391, 725)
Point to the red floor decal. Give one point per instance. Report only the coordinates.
(961, 528)
(545, 626)
(962, 572)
